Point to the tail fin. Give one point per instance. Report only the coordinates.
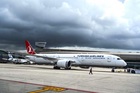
(29, 48)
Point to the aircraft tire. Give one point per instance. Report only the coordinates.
(133, 71)
(113, 70)
(55, 67)
(68, 68)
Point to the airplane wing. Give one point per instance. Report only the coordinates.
(46, 57)
(55, 59)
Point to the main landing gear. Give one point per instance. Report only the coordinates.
(56, 67)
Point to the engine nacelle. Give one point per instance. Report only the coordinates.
(64, 63)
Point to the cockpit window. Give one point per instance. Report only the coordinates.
(119, 59)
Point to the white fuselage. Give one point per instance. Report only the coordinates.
(103, 60)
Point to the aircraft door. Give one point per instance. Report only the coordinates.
(109, 58)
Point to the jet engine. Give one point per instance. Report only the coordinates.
(63, 64)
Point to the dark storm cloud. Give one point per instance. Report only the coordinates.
(88, 23)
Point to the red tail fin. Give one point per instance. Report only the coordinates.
(29, 48)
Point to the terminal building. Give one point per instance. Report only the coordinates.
(132, 59)
(4, 56)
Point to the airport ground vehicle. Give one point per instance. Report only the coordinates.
(135, 70)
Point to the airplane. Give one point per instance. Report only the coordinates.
(82, 60)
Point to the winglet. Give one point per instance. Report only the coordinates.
(29, 48)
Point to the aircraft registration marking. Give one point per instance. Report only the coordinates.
(49, 88)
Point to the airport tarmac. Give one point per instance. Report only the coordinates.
(19, 78)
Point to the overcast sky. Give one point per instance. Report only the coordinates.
(83, 23)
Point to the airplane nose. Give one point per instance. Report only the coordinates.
(124, 63)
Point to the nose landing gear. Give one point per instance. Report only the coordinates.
(113, 69)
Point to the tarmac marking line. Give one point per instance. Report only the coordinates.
(49, 88)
